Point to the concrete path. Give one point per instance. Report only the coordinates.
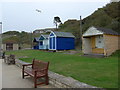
(0, 74)
(12, 78)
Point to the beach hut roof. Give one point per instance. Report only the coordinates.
(45, 36)
(107, 31)
(36, 39)
(63, 34)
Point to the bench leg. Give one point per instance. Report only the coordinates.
(23, 72)
(23, 75)
(35, 82)
(47, 80)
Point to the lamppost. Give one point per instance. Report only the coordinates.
(0, 38)
(80, 33)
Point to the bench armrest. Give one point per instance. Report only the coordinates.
(41, 70)
(27, 64)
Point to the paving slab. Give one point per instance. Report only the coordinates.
(12, 78)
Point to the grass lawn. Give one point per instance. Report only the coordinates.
(100, 72)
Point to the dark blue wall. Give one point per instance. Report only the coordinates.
(65, 43)
(36, 47)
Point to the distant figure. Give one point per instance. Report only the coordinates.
(3, 55)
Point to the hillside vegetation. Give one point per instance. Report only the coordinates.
(107, 17)
(24, 39)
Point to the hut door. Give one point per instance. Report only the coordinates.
(52, 43)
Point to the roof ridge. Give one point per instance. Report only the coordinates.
(63, 34)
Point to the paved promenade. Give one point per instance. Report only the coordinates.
(12, 77)
(0, 74)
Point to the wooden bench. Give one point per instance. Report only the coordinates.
(9, 59)
(38, 69)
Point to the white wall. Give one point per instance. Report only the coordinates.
(4, 47)
(15, 47)
(45, 42)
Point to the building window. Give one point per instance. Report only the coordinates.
(41, 43)
(99, 42)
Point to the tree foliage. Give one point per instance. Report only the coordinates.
(57, 21)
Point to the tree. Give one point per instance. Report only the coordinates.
(57, 21)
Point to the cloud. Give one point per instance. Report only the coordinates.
(55, 0)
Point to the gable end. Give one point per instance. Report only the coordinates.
(92, 31)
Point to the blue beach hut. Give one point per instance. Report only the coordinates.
(61, 41)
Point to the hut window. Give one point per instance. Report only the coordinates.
(99, 42)
(41, 43)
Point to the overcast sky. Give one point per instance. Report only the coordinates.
(22, 15)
